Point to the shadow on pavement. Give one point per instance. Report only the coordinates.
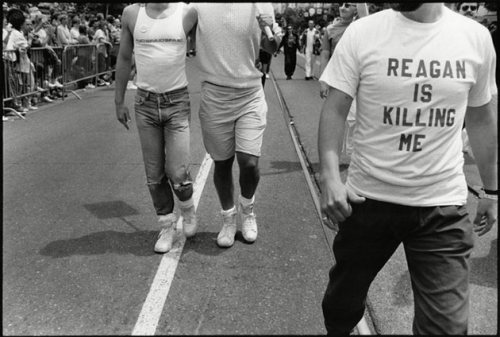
(138, 243)
(111, 209)
(279, 167)
(205, 243)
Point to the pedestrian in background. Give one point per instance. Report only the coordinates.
(162, 108)
(290, 43)
(406, 182)
(308, 38)
(233, 107)
(348, 12)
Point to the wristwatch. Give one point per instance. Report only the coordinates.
(488, 194)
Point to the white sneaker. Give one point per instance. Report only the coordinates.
(167, 233)
(131, 85)
(189, 221)
(248, 223)
(225, 239)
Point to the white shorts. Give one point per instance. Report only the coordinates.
(232, 120)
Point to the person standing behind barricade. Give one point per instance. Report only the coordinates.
(308, 38)
(156, 35)
(417, 71)
(44, 68)
(290, 43)
(233, 107)
(62, 32)
(100, 39)
(32, 87)
(74, 31)
(84, 56)
(52, 30)
(17, 47)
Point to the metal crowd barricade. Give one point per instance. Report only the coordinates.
(80, 63)
(47, 64)
(69, 64)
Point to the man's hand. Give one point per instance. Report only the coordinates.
(258, 64)
(123, 115)
(336, 200)
(324, 89)
(486, 216)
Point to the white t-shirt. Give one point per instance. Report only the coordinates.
(17, 41)
(228, 43)
(412, 82)
(160, 51)
(75, 33)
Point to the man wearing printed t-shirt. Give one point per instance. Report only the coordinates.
(417, 71)
(155, 34)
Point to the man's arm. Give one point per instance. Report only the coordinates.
(325, 52)
(123, 65)
(270, 46)
(190, 19)
(335, 198)
(481, 123)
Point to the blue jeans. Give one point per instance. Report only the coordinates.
(437, 241)
(163, 124)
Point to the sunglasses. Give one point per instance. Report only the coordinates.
(347, 4)
(466, 8)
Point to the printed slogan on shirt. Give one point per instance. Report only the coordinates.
(421, 92)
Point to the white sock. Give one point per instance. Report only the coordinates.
(186, 204)
(229, 211)
(246, 202)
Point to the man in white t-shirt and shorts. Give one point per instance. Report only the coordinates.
(233, 107)
(417, 71)
(154, 33)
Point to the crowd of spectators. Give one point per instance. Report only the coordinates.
(470, 9)
(26, 27)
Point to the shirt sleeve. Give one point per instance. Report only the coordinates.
(342, 71)
(485, 86)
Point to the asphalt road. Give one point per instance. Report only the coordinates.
(79, 228)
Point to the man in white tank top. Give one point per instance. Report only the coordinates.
(154, 32)
(233, 107)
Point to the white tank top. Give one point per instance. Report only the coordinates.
(160, 51)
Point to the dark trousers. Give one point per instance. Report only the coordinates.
(290, 62)
(438, 242)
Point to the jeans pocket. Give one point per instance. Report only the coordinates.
(180, 99)
(139, 100)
